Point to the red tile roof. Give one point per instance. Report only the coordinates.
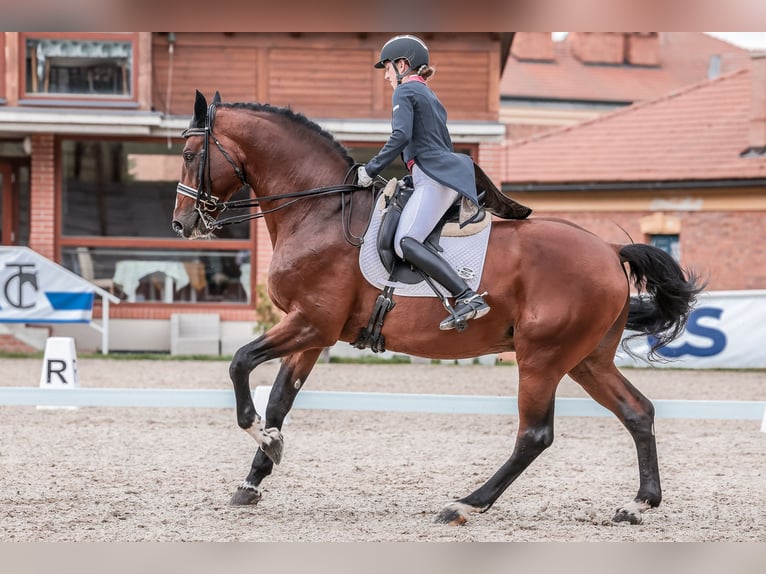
(696, 133)
(684, 59)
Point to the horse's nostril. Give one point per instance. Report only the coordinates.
(177, 226)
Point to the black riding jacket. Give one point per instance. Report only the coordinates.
(419, 133)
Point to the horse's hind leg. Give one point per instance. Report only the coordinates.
(293, 373)
(598, 375)
(537, 392)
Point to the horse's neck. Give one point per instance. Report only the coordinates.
(287, 158)
(300, 220)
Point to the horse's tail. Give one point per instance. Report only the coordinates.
(666, 294)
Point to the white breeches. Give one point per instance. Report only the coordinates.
(428, 203)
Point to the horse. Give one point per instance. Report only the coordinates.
(560, 296)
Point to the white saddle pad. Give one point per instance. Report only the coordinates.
(466, 254)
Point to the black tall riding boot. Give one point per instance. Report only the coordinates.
(468, 304)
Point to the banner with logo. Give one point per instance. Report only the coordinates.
(727, 329)
(34, 289)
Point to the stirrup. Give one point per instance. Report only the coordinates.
(473, 307)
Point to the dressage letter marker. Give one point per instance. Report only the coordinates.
(59, 366)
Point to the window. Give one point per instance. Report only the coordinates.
(362, 153)
(165, 275)
(117, 200)
(3, 95)
(79, 66)
(668, 243)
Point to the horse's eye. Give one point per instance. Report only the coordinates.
(188, 155)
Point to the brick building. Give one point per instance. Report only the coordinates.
(685, 171)
(90, 147)
(548, 84)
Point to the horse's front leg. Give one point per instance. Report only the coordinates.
(290, 337)
(292, 334)
(290, 379)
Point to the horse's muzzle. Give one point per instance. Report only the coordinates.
(189, 225)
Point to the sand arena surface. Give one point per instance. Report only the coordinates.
(166, 474)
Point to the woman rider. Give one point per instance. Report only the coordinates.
(439, 175)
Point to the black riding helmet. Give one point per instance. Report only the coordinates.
(411, 48)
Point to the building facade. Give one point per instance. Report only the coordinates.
(685, 171)
(547, 84)
(90, 146)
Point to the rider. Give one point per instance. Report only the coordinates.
(440, 175)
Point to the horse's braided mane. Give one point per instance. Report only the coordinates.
(295, 117)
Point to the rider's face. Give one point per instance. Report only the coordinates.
(391, 69)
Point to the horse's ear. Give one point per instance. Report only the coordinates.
(200, 110)
(217, 98)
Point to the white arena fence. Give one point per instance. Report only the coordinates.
(365, 401)
(725, 330)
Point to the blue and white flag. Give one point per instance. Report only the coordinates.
(34, 289)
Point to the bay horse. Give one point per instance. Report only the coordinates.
(560, 295)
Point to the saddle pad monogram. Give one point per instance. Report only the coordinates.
(466, 254)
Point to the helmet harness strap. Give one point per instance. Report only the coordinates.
(401, 75)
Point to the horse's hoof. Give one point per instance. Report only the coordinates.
(273, 444)
(631, 513)
(452, 514)
(623, 515)
(246, 496)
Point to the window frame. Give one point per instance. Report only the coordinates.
(672, 239)
(139, 243)
(3, 95)
(96, 100)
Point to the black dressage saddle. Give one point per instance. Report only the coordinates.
(490, 200)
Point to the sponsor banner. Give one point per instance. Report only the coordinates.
(727, 329)
(33, 289)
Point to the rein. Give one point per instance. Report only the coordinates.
(214, 202)
(206, 203)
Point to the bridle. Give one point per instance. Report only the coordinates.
(206, 203)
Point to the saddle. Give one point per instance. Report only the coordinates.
(461, 219)
(458, 221)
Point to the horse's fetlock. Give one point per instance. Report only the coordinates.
(540, 437)
(652, 500)
(640, 423)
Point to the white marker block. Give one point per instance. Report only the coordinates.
(59, 366)
(261, 399)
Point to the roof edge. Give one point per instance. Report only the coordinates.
(632, 185)
(628, 109)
